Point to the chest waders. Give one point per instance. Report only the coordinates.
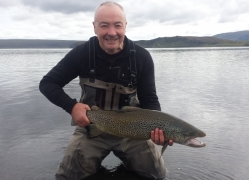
(84, 155)
(106, 95)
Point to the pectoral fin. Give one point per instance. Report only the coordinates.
(93, 131)
(125, 144)
(164, 147)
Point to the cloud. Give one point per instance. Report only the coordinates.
(166, 12)
(147, 19)
(230, 11)
(4, 3)
(63, 6)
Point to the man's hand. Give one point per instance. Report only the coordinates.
(79, 114)
(158, 138)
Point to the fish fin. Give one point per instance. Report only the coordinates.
(95, 108)
(164, 147)
(129, 109)
(93, 130)
(125, 144)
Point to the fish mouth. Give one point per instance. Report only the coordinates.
(192, 142)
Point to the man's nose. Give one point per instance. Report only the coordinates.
(112, 31)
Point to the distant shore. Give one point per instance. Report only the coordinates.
(162, 42)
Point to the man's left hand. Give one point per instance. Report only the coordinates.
(157, 137)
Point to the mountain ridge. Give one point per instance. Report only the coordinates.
(220, 40)
(234, 36)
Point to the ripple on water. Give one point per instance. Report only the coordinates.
(200, 86)
(196, 163)
(197, 172)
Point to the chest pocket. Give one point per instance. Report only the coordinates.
(108, 96)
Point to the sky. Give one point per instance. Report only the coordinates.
(146, 19)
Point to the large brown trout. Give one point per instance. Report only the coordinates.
(137, 123)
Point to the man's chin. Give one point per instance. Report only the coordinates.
(112, 47)
(112, 50)
(111, 44)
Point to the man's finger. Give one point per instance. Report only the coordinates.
(157, 136)
(161, 137)
(152, 136)
(171, 142)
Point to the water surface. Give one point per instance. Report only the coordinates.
(207, 87)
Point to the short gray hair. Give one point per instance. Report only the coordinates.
(108, 3)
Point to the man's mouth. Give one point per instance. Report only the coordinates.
(111, 39)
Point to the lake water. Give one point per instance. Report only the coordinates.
(207, 87)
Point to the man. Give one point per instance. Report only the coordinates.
(113, 72)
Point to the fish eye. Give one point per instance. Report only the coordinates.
(186, 134)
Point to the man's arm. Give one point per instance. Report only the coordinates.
(53, 82)
(147, 93)
(51, 85)
(146, 88)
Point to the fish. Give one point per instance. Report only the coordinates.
(137, 123)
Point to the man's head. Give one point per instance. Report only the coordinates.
(109, 26)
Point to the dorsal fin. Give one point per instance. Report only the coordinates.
(95, 108)
(129, 109)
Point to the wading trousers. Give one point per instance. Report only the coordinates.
(83, 156)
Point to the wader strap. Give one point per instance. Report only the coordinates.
(133, 68)
(92, 64)
(132, 62)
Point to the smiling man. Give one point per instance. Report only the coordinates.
(109, 26)
(113, 72)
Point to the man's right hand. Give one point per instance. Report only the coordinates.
(79, 114)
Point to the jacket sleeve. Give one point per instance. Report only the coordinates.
(51, 85)
(146, 89)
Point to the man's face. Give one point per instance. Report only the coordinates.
(110, 26)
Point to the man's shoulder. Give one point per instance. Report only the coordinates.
(85, 44)
(139, 49)
(142, 52)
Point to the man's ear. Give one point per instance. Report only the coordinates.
(94, 27)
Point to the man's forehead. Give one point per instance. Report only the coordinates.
(107, 22)
(110, 12)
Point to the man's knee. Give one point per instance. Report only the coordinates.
(145, 160)
(82, 158)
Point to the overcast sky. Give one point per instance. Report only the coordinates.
(147, 19)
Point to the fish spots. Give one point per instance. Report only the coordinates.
(136, 123)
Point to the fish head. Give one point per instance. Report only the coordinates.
(186, 136)
(191, 141)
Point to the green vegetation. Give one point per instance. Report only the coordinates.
(189, 41)
(162, 42)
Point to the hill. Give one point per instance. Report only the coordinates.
(162, 42)
(189, 41)
(186, 41)
(34, 43)
(234, 36)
